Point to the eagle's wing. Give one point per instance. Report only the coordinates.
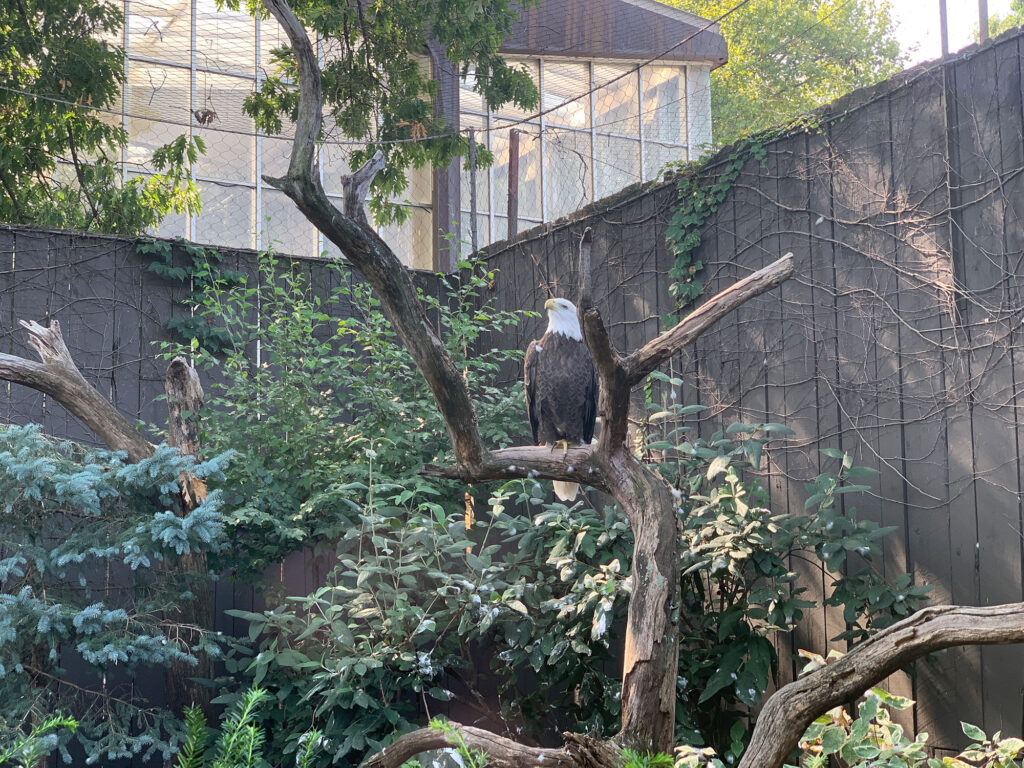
(530, 385)
(590, 403)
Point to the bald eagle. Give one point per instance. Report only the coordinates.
(561, 386)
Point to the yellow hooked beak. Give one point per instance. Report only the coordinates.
(551, 304)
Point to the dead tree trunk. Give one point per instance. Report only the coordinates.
(184, 399)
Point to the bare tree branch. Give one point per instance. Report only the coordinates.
(614, 395)
(371, 255)
(357, 187)
(59, 377)
(578, 464)
(579, 751)
(644, 360)
(793, 707)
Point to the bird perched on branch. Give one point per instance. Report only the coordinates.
(561, 386)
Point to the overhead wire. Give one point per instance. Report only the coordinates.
(507, 122)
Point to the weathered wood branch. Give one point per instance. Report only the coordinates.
(578, 752)
(184, 400)
(59, 377)
(356, 188)
(578, 464)
(644, 360)
(793, 707)
(369, 254)
(613, 406)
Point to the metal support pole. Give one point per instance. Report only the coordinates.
(472, 190)
(513, 183)
(943, 28)
(983, 20)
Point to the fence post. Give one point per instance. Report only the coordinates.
(472, 190)
(513, 182)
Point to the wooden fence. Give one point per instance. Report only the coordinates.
(900, 340)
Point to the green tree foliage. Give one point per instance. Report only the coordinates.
(787, 57)
(59, 155)
(378, 84)
(998, 24)
(84, 532)
(26, 750)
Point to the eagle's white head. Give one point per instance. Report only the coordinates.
(562, 318)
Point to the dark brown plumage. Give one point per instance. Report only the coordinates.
(561, 390)
(560, 380)
(561, 386)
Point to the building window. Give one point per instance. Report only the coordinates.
(580, 149)
(186, 58)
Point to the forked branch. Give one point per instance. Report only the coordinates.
(368, 253)
(58, 376)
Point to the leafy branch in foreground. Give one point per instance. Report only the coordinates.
(27, 750)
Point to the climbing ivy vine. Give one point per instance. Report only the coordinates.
(701, 187)
(699, 197)
(201, 269)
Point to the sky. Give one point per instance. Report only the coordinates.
(917, 25)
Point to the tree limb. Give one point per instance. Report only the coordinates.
(356, 187)
(793, 707)
(578, 464)
(644, 360)
(579, 751)
(59, 377)
(369, 254)
(613, 405)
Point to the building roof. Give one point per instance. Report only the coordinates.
(616, 29)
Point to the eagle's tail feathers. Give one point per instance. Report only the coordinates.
(566, 491)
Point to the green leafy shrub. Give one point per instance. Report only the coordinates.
(328, 397)
(331, 428)
(84, 532)
(873, 739)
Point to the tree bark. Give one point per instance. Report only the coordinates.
(651, 660)
(184, 401)
(59, 377)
